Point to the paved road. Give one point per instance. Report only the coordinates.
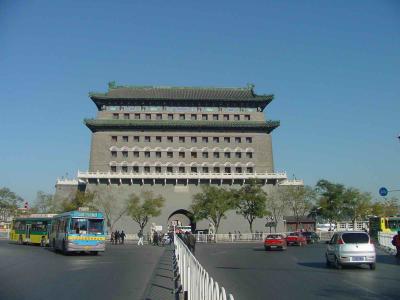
(249, 272)
(122, 272)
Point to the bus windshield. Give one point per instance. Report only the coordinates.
(78, 226)
(83, 226)
(95, 225)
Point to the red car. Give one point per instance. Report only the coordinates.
(275, 241)
(296, 238)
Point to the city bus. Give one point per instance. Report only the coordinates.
(383, 224)
(31, 229)
(77, 231)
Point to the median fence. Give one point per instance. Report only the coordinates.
(249, 237)
(195, 283)
(385, 240)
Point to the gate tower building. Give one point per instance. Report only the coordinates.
(173, 140)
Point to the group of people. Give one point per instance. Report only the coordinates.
(118, 237)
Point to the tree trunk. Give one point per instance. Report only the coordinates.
(251, 226)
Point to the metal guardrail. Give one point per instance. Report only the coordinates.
(196, 284)
(385, 240)
(249, 237)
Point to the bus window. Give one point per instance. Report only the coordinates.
(78, 226)
(95, 226)
(39, 226)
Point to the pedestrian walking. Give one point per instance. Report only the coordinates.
(112, 237)
(140, 235)
(396, 243)
(116, 237)
(122, 235)
(190, 240)
(155, 238)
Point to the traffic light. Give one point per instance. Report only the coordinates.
(26, 206)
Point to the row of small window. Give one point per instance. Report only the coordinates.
(147, 169)
(170, 154)
(182, 139)
(192, 117)
(178, 109)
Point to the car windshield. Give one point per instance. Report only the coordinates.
(355, 238)
(96, 226)
(293, 234)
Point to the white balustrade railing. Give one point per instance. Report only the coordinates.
(385, 240)
(195, 281)
(177, 175)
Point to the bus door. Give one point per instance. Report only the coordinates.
(28, 231)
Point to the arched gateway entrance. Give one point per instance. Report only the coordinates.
(182, 217)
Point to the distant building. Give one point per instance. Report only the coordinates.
(301, 223)
(173, 140)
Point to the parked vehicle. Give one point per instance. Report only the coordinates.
(350, 248)
(296, 238)
(275, 241)
(311, 237)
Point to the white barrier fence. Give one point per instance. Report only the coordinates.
(195, 282)
(249, 237)
(385, 240)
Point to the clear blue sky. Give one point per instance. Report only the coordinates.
(334, 68)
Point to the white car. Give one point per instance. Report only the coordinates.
(350, 248)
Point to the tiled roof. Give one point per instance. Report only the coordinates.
(189, 93)
(110, 124)
(179, 93)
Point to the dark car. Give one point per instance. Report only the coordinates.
(311, 237)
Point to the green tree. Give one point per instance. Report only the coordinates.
(251, 202)
(390, 207)
(300, 200)
(357, 206)
(81, 199)
(212, 204)
(142, 208)
(45, 203)
(330, 200)
(9, 203)
(276, 204)
(106, 202)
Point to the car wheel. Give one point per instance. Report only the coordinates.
(337, 264)
(266, 248)
(372, 266)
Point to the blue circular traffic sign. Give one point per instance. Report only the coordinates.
(383, 191)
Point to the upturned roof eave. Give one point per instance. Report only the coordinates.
(263, 100)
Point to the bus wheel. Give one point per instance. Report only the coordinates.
(20, 242)
(42, 242)
(94, 253)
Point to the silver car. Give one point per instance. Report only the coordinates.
(350, 248)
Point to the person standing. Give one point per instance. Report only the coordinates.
(123, 235)
(191, 242)
(140, 235)
(396, 243)
(116, 237)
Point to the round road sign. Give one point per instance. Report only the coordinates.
(383, 191)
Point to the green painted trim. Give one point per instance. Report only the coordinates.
(106, 124)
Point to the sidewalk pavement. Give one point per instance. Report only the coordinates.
(162, 285)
